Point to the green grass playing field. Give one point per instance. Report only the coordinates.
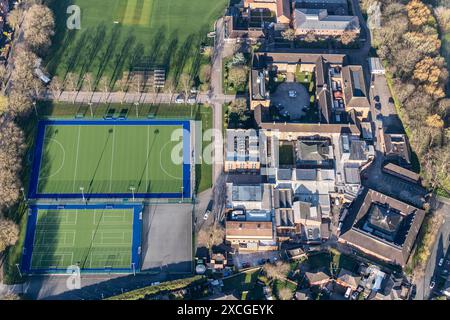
(89, 238)
(109, 159)
(117, 34)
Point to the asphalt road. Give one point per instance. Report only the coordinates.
(439, 250)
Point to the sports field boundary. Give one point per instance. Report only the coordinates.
(39, 147)
(27, 253)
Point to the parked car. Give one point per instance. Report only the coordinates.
(205, 217)
(246, 265)
(377, 98)
(192, 99)
(180, 99)
(432, 284)
(355, 295)
(441, 262)
(292, 94)
(348, 293)
(391, 100)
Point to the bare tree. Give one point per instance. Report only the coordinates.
(278, 270)
(10, 296)
(122, 84)
(211, 236)
(71, 84)
(103, 84)
(15, 17)
(170, 87)
(88, 81)
(9, 233)
(11, 150)
(39, 24)
(186, 84)
(285, 294)
(289, 35)
(56, 87)
(4, 104)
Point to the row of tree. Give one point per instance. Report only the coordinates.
(33, 24)
(408, 41)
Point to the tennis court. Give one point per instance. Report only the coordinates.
(111, 159)
(93, 237)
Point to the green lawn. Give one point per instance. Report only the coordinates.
(93, 238)
(242, 282)
(286, 154)
(116, 35)
(109, 159)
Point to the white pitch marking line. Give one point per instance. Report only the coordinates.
(76, 159)
(112, 159)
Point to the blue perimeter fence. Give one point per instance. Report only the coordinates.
(34, 181)
(27, 254)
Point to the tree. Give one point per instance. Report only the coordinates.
(22, 75)
(170, 87)
(186, 84)
(103, 84)
(20, 103)
(88, 82)
(3, 74)
(276, 271)
(39, 25)
(285, 294)
(238, 59)
(443, 17)
(418, 13)
(348, 37)
(9, 233)
(288, 34)
(10, 296)
(56, 87)
(122, 84)
(310, 37)
(4, 104)
(211, 236)
(15, 17)
(237, 76)
(70, 84)
(435, 121)
(11, 151)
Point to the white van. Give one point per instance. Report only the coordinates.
(348, 293)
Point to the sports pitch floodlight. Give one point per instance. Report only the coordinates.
(132, 191)
(82, 193)
(136, 104)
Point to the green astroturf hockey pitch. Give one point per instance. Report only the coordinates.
(110, 159)
(91, 239)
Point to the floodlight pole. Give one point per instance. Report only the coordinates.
(35, 109)
(82, 193)
(134, 269)
(18, 269)
(136, 104)
(23, 193)
(182, 193)
(90, 108)
(132, 191)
